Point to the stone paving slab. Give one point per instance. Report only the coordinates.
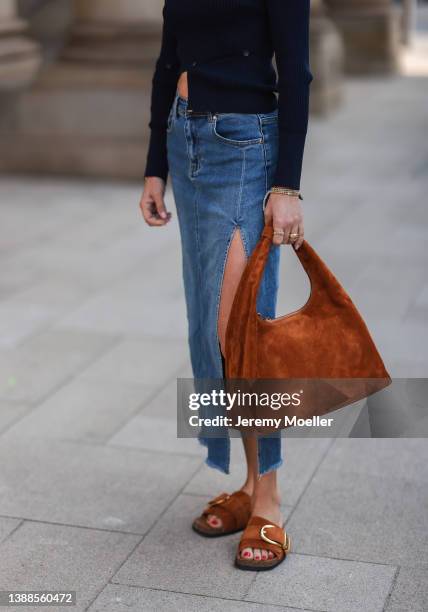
(93, 244)
(163, 404)
(346, 240)
(58, 294)
(156, 434)
(117, 598)
(91, 268)
(32, 370)
(401, 459)
(53, 557)
(15, 278)
(62, 210)
(18, 321)
(140, 303)
(89, 233)
(146, 361)
(407, 344)
(7, 525)
(87, 485)
(419, 306)
(10, 412)
(301, 459)
(371, 285)
(124, 313)
(363, 517)
(173, 557)
(36, 307)
(330, 585)
(410, 593)
(84, 410)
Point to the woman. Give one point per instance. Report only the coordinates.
(226, 139)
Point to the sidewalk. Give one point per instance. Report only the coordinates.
(92, 337)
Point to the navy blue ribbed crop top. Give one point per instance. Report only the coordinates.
(227, 48)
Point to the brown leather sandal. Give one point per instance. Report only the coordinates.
(263, 534)
(233, 510)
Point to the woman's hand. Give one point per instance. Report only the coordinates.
(286, 213)
(152, 202)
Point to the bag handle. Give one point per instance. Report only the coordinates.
(321, 278)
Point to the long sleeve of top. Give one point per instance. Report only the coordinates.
(289, 24)
(227, 47)
(164, 84)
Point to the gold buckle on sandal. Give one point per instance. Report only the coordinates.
(285, 546)
(216, 501)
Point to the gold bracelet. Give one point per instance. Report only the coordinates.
(281, 190)
(286, 191)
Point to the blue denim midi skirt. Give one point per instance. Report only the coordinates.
(221, 166)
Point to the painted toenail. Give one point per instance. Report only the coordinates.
(247, 554)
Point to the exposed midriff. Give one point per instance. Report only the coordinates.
(182, 87)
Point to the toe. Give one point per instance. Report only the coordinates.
(270, 554)
(214, 521)
(264, 555)
(247, 553)
(257, 554)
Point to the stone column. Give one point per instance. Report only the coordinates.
(408, 21)
(112, 32)
(371, 32)
(92, 105)
(327, 56)
(20, 57)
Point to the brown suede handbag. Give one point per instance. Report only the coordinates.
(324, 347)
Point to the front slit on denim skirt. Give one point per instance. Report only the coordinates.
(221, 165)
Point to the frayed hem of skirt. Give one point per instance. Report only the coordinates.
(203, 442)
(211, 463)
(271, 468)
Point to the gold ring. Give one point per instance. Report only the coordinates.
(294, 235)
